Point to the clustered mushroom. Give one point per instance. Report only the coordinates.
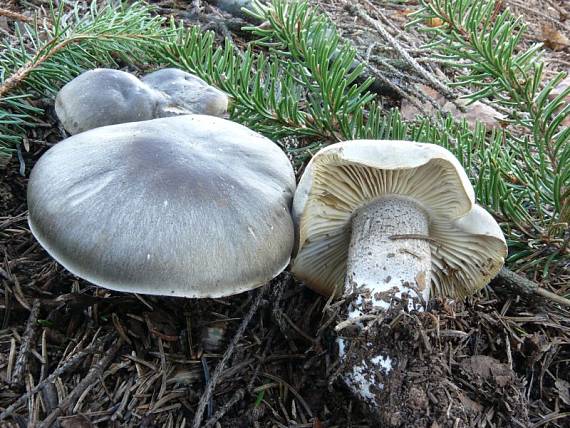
(186, 93)
(198, 206)
(381, 222)
(104, 97)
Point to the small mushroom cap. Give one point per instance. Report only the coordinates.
(345, 176)
(193, 206)
(104, 97)
(187, 92)
(234, 7)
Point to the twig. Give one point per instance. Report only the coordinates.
(240, 393)
(68, 364)
(563, 12)
(354, 321)
(538, 13)
(23, 72)
(196, 8)
(417, 93)
(229, 351)
(207, 378)
(15, 15)
(238, 396)
(94, 373)
(358, 11)
(293, 391)
(11, 358)
(296, 328)
(27, 341)
(523, 285)
(378, 75)
(399, 34)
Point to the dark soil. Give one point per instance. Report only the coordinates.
(83, 356)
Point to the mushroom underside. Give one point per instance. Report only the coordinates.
(383, 224)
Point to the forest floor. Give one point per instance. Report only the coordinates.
(75, 355)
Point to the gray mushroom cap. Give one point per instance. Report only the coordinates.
(104, 97)
(188, 92)
(234, 7)
(193, 206)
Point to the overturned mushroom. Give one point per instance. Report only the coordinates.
(192, 206)
(104, 97)
(384, 222)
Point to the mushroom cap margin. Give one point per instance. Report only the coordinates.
(466, 254)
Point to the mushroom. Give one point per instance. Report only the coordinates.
(187, 93)
(384, 222)
(192, 206)
(234, 7)
(104, 97)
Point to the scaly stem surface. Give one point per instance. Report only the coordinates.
(382, 272)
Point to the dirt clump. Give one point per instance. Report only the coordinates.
(438, 374)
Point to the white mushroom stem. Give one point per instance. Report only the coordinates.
(380, 269)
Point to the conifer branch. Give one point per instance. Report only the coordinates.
(530, 172)
(42, 58)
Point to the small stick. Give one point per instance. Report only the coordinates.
(354, 321)
(293, 391)
(207, 378)
(563, 13)
(538, 13)
(14, 15)
(400, 91)
(94, 374)
(196, 7)
(229, 351)
(240, 393)
(523, 285)
(358, 11)
(67, 365)
(26, 345)
(11, 358)
(238, 396)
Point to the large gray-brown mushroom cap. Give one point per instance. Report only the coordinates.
(193, 206)
(467, 245)
(187, 92)
(104, 97)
